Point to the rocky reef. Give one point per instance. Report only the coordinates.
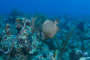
(41, 38)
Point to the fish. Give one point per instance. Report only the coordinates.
(50, 28)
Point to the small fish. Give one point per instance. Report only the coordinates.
(50, 28)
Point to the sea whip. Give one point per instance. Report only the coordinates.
(10, 50)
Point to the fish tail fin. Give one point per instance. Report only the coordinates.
(57, 21)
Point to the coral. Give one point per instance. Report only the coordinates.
(7, 29)
(12, 43)
(25, 39)
(64, 45)
(17, 37)
(83, 58)
(0, 38)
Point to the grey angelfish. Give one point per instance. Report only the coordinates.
(50, 28)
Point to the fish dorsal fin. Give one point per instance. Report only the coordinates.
(48, 21)
(57, 21)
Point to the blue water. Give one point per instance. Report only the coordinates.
(48, 7)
